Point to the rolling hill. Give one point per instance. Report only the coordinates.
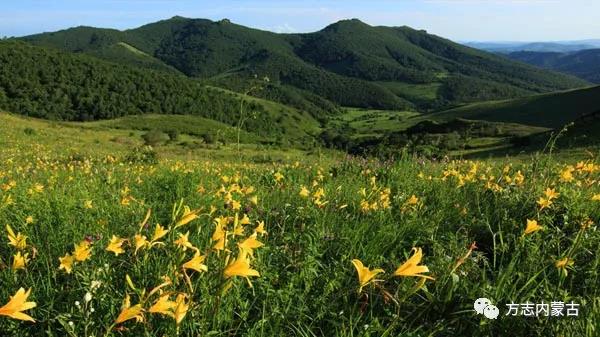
(348, 63)
(547, 110)
(51, 84)
(584, 64)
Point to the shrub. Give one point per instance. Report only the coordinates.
(29, 131)
(173, 135)
(153, 138)
(142, 154)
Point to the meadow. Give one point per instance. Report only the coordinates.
(107, 238)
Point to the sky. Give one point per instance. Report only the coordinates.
(459, 20)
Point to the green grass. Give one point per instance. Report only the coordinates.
(414, 92)
(367, 122)
(307, 284)
(548, 110)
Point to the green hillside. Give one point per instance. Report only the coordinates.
(46, 83)
(584, 64)
(349, 63)
(547, 110)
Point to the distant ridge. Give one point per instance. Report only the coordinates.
(347, 63)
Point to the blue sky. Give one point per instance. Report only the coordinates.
(460, 20)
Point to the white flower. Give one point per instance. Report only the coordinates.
(87, 297)
(95, 285)
(92, 309)
(77, 304)
(71, 323)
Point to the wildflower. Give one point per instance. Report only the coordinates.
(17, 304)
(250, 244)
(544, 203)
(235, 205)
(260, 229)
(19, 241)
(82, 251)
(412, 268)
(220, 234)
(532, 226)
(163, 306)
(187, 217)
(130, 312)
(245, 220)
(87, 204)
(29, 220)
(551, 193)
(596, 197)
(196, 263)
(181, 309)
(563, 264)
(20, 261)
(115, 245)
(566, 175)
(140, 242)
(278, 176)
(87, 297)
(159, 233)
(184, 243)
(365, 275)
(518, 178)
(66, 263)
(240, 267)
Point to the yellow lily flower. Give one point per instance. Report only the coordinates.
(551, 193)
(140, 242)
(115, 245)
(563, 264)
(240, 267)
(260, 229)
(196, 263)
(130, 312)
(532, 226)
(412, 268)
(250, 244)
(159, 233)
(163, 306)
(82, 251)
(66, 263)
(184, 243)
(544, 203)
(17, 304)
(365, 275)
(19, 261)
(304, 192)
(19, 241)
(187, 217)
(181, 309)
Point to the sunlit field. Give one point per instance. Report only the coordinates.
(99, 239)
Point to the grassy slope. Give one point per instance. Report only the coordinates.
(307, 280)
(120, 136)
(547, 110)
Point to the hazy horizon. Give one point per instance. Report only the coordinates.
(495, 21)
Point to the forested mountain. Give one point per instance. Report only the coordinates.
(584, 64)
(348, 63)
(51, 84)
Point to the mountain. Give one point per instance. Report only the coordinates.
(584, 64)
(348, 63)
(556, 47)
(52, 84)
